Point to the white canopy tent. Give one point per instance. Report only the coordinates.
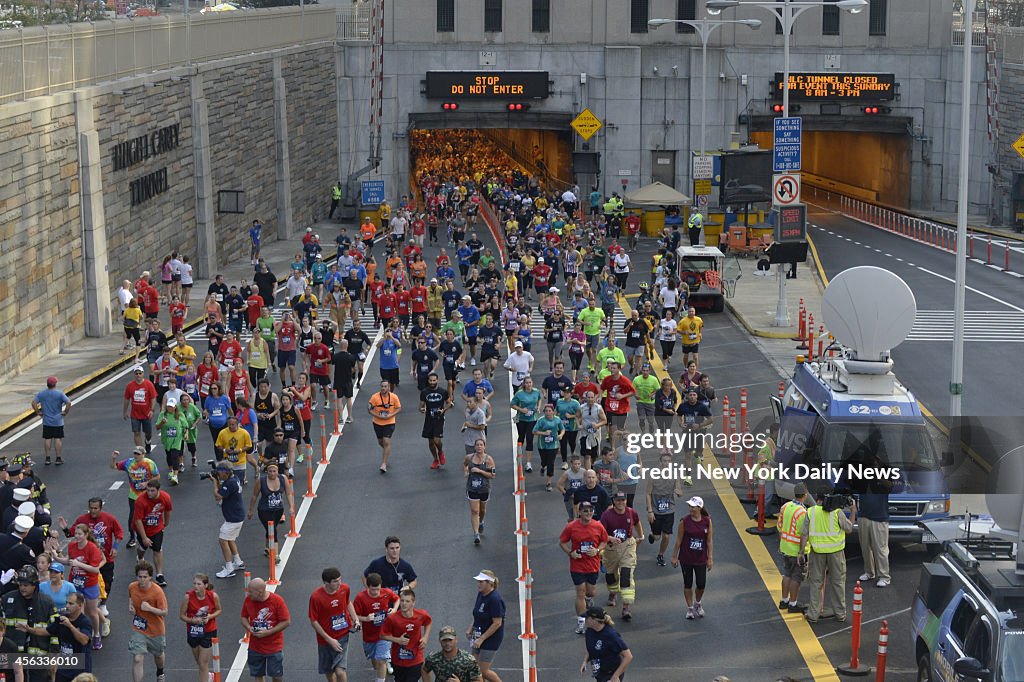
(654, 195)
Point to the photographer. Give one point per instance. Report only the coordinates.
(228, 492)
(826, 531)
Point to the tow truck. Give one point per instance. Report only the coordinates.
(967, 619)
(849, 409)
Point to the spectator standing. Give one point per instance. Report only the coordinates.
(53, 405)
(227, 490)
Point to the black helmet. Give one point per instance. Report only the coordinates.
(28, 575)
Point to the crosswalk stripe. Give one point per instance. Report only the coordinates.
(993, 326)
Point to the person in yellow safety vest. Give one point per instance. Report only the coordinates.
(826, 532)
(792, 525)
(694, 225)
(335, 199)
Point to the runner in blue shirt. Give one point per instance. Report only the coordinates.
(389, 350)
(464, 254)
(476, 382)
(255, 235)
(470, 318)
(526, 402)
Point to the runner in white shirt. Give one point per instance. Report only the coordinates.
(621, 269)
(667, 334)
(186, 280)
(520, 363)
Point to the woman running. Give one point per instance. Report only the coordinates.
(216, 410)
(667, 336)
(690, 378)
(694, 551)
(268, 500)
(608, 656)
(302, 395)
(479, 470)
(291, 422)
(577, 347)
(526, 402)
(85, 558)
(207, 374)
(488, 628)
(199, 610)
(554, 335)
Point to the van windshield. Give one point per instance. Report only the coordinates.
(697, 264)
(906, 446)
(1011, 659)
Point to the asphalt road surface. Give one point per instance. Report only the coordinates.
(743, 636)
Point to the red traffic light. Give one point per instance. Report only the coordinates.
(870, 110)
(778, 108)
(517, 106)
(450, 106)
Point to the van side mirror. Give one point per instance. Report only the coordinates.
(777, 409)
(971, 668)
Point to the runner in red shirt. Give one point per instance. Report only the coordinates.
(84, 559)
(265, 616)
(409, 253)
(583, 540)
(376, 288)
(238, 384)
(253, 307)
(319, 368)
(105, 527)
(207, 374)
(178, 312)
(402, 301)
(373, 605)
(151, 301)
(332, 616)
(286, 345)
(139, 402)
(152, 514)
(387, 306)
(585, 385)
(418, 296)
(632, 225)
(616, 390)
(228, 351)
(408, 630)
(541, 276)
(419, 229)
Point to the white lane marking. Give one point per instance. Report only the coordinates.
(911, 264)
(977, 291)
(115, 485)
(847, 239)
(888, 255)
(1015, 274)
(993, 266)
(525, 644)
(898, 258)
(878, 251)
(857, 243)
(238, 665)
(873, 620)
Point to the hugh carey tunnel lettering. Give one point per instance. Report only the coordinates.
(138, 149)
(148, 186)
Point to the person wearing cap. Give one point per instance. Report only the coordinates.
(172, 426)
(140, 399)
(519, 364)
(152, 514)
(583, 540)
(451, 661)
(695, 553)
(52, 581)
(792, 525)
(14, 550)
(30, 613)
(542, 274)
(607, 656)
(52, 405)
(227, 491)
(139, 470)
(470, 315)
(694, 420)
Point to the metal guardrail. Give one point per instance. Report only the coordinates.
(1009, 40)
(42, 60)
(353, 23)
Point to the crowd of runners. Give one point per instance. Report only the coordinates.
(269, 359)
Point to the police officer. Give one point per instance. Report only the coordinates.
(335, 199)
(826, 533)
(792, 525)
(694, 225)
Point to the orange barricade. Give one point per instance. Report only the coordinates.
(292, 533)
(883, 651)
(337, 424)
(272, 552)
(309, 478)
(215, 660)
(855, 668)
(743, 410)
(782, 389)
(323, 441)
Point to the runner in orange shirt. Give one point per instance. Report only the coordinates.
(367, 231)
(384, 407)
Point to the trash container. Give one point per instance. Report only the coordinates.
(653, 222)
(371, 212)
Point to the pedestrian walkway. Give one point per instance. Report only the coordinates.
(90, 357)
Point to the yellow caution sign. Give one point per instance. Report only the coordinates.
(586, 124)
(1018, 146)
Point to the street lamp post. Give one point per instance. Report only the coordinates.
(787, 12)
(704, 28)
(956, 381)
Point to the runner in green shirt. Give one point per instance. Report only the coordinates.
(172, 425)
(550, 430)
(611, 352)
(457, 325)
(646, 385)
(592, 318)
(192, 414)
(265, 323)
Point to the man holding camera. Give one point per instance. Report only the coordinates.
(227, 490)
(826, 531)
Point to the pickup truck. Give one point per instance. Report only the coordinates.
(968, 615)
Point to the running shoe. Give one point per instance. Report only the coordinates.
(383, 469)
(784, 604)
(226, 572)
(481, 527)
(47, 461)
(194, 462)
(798, 608)
(529, 468)
(181, 466)
(472, 362)
(312, 405)
(661, 560)
(689, 613)
(59, 461)
(580, 628)
(327, 404)
(435, 465)
(626, 614)
(548, 487)
(440, 458)
(348, 420)
(97, 643)
(105, 628)
(300, 459)
(652, 539)
(238, 564)
(864, 577)
(565, 466)
(161, 580)
(699, 609)
(173, 476)
(103, 610)
(131, 543)
(882, 582)
(476, 538)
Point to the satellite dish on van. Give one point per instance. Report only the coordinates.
(1006, 501)
(869, 310)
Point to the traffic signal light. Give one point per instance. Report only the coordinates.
(875, 110)
(778, 108)
(517, 106)
(450, 106)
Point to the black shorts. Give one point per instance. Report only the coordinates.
(175, 278)
(689, 572)
(477, 495)
(320, 379)
(52, 432)
(390, 375)
(433, 428)
(663, 524)
(580, 578)
(451, 373)
(691, 349)
(525, 434)
(107, 573)
(385, 431)
(203, 642)
(490, 354)
(344, 389)
(157, 540)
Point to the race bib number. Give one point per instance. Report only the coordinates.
(379, 617)
(318, 363)
(519, 379)
(405, 654)
(255, 355)
(528, 413)
(697, 544)
(260, 626)
(152, 519)
(595, 666)
(218, 412)
(386, 351)
(362, 356)
(286, 340)
(139, 623)
(195, 630)
(664, 506)
(620, 534)
(140, 395)
(383, 414)
(78, 580)
(339, 623)
(476, 483)
(171, 431)
(585, 547)
(613, 405)
(66, 648)
(692, 336)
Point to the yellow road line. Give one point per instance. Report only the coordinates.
(806, 641)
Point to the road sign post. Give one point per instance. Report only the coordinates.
(703, 173)
(785, 189)
(586, 124)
